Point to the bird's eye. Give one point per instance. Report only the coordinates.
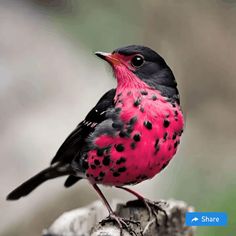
(137, 61)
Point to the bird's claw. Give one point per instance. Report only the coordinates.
(153, 208)
(122, 223)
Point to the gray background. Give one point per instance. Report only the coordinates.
(49, 79)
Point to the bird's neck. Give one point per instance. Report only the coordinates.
(128, 81)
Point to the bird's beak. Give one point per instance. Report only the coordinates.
(109, 57)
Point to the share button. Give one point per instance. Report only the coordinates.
(206, 219)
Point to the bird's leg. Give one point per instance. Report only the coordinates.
(122, 222)
(152, 207)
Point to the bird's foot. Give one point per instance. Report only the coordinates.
(153, 208)
(124, 224)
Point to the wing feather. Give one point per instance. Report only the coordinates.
(77, 139)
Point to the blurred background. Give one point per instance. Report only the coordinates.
(50, 78)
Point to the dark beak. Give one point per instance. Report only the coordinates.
(102, 55)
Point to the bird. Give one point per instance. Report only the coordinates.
(129, 136)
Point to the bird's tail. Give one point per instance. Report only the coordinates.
(28, 186)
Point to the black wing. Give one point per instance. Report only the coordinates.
(71, 147)
(76, 140)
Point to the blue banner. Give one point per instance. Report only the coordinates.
(206, 219)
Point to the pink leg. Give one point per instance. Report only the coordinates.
(151, 206)
(112, 216)
(103, 199)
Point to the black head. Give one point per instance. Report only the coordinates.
(147, 65)
(150, 67)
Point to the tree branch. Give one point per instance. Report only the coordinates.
(85, 221)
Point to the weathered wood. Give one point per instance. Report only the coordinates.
(85, 221)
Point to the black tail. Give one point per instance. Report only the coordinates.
(71, 180)
(28, 186)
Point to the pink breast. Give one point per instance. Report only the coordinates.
(152, 142)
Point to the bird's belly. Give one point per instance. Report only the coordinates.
(130, 162)
(139, 148)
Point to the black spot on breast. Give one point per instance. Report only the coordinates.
(154, 97)
(174, 136)
(119, 147)
(165, 165)
(137, 137)
(156, 146)
(166, 123)
(148, 124)
(176, 113)
(116, 174)
(122, 169)
(156, 143)
(97, 162)
(121, 160)
(123, 134)
(133, 145)
(100, 152)
(157, 149)
(176, 144)
(93, 167)
(137, 102)
(142, 109)
(102, 174)
(144, 92)
(133, 120)
(130, 125)
(130, 129)
(106, 150)
(106, 161)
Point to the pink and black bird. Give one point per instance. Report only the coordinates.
(129, 136)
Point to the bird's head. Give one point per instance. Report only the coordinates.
(139, 66)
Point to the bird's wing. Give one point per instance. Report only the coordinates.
(76, 140)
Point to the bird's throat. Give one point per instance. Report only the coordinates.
(127, 79)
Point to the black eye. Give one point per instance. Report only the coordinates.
(137, 61)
